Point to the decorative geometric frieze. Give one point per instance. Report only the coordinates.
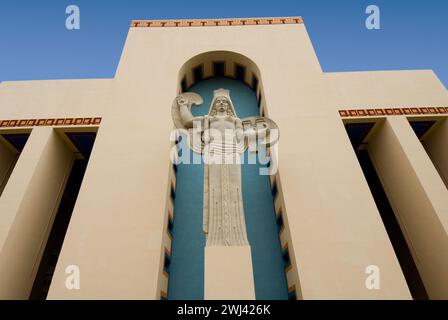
(214, 22)
(392, 111)
(50, 122)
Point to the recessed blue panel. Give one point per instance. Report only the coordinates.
(186, 273)
(262, 230)
(186, 279)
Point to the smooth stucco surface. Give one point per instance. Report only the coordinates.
(334, 230)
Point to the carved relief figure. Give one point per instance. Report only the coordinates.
(223, 138)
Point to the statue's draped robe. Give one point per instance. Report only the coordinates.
(224, 222)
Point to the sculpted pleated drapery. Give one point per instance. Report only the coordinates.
(224, 221)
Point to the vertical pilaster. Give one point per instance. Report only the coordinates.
(418, 197)
(27, 209)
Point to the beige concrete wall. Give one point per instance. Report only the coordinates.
(418, 197)
(335, 228)
(383, 89)
(118, 224)
(145, 67)
(28, 206)
(54, 98)
(436, 144)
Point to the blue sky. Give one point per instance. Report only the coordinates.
(34, 43)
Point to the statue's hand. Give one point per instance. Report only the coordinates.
(181, 101)
(180, 109)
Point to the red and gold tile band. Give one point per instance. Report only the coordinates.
(215, 22)
(392, 111)
(50, 122)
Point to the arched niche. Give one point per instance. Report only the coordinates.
(228, 64)
(277, 281)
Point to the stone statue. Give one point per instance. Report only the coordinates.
(222, 137)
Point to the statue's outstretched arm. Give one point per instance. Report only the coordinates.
(261, 128)
(181, 110)
(187, 117)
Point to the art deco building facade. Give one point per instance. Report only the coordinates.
(92, 207)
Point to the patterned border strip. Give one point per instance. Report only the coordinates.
(393, 111)
(50, 122)
(215, 22)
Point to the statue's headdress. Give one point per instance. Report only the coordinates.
(221, 93)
